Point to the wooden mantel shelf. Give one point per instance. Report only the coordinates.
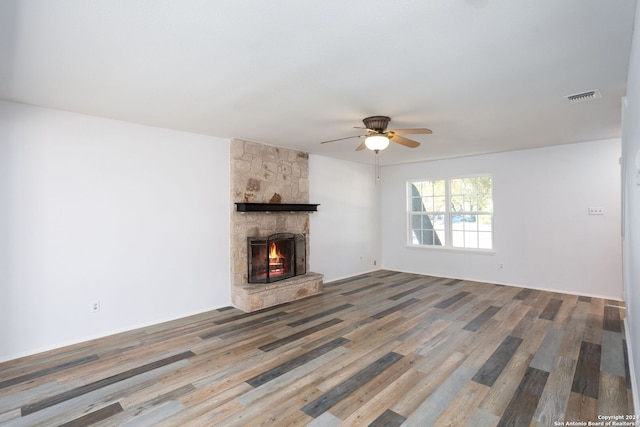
(276, 207)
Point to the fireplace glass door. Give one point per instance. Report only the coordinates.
(277, 257)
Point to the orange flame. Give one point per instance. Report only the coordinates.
(273, 252)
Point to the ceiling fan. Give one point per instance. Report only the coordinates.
(377, 137)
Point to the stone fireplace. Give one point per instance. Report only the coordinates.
(262, 174)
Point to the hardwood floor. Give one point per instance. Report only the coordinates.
(382, 349)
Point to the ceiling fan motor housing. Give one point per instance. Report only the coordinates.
(377, 123)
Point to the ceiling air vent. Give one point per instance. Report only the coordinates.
(583, 96)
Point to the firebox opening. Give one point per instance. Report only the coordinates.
(276, 257)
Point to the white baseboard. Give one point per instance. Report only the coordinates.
(503, 283)
(360, 273)
(38, 350)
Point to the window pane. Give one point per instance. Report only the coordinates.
(427, 188)
(470, 239)
(416, 204)
(484, 222)
(485, 203)
(425, 236)
(457, 239)
(457, 187)
(427, 223)
(429, 205)
(431, 238)
(470, 223)
(415, 194)
(420, 205)
(472, 202)
(422, 230)
(484, 241)
(457, 203)
(484, 184)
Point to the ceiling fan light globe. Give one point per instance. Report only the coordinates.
(376, 142)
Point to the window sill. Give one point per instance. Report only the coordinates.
(453, 250)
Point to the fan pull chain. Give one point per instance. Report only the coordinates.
(377, 163)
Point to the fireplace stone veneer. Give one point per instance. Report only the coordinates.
(265, 176)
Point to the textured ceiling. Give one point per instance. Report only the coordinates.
(484, 75)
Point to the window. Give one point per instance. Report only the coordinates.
(452, 212)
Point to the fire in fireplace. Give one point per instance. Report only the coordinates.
(276, 257)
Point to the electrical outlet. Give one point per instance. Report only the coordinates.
(597, 210)
(95, 306)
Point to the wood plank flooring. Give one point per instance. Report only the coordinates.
(381, 349)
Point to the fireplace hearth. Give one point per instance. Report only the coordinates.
(277, 257)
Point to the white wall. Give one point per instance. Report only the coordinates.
(542, 233)
(97, 209)
(631, 149)
(345, 232)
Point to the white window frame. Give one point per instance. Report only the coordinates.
(447, 214)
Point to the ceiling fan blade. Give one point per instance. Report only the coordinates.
(411, 131)
(340, 139)
(404, 141)
(361, 147)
